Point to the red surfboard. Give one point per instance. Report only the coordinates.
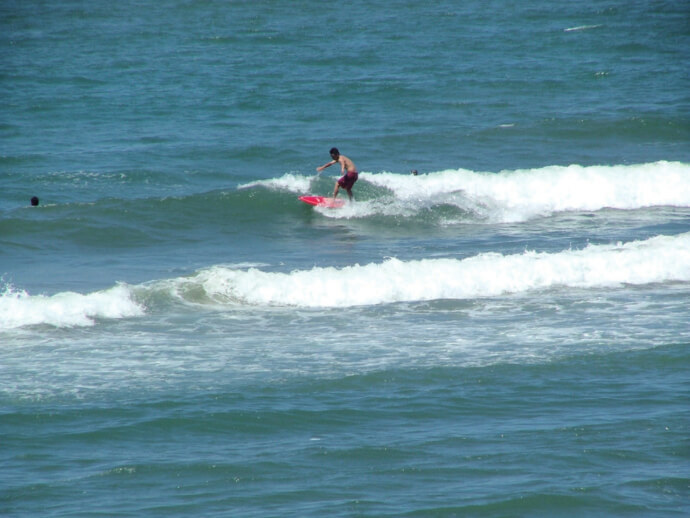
(322, 201)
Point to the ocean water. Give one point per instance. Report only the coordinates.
(504, 334)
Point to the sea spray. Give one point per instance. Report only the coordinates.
(655, 260)
(519, 195)
(659, 259)
(65, 309)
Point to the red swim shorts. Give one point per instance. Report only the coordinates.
(348, 180)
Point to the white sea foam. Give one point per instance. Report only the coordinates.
(513, 196)
(66, 309)
(288, 182)
(582, 28)
(658, 259)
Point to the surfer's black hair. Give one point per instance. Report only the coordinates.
(334, 151)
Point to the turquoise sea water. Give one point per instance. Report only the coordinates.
(504, 334)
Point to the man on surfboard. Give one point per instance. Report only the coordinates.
(348, 170)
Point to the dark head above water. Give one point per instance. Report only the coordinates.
(34, 201)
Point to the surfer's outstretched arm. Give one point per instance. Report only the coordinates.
(324, 166)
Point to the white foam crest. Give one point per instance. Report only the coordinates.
(582, 28)
(288, 182)
(66, 309)
(511, 196)
(658, 259)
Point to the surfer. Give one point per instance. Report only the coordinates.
(347, 169)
